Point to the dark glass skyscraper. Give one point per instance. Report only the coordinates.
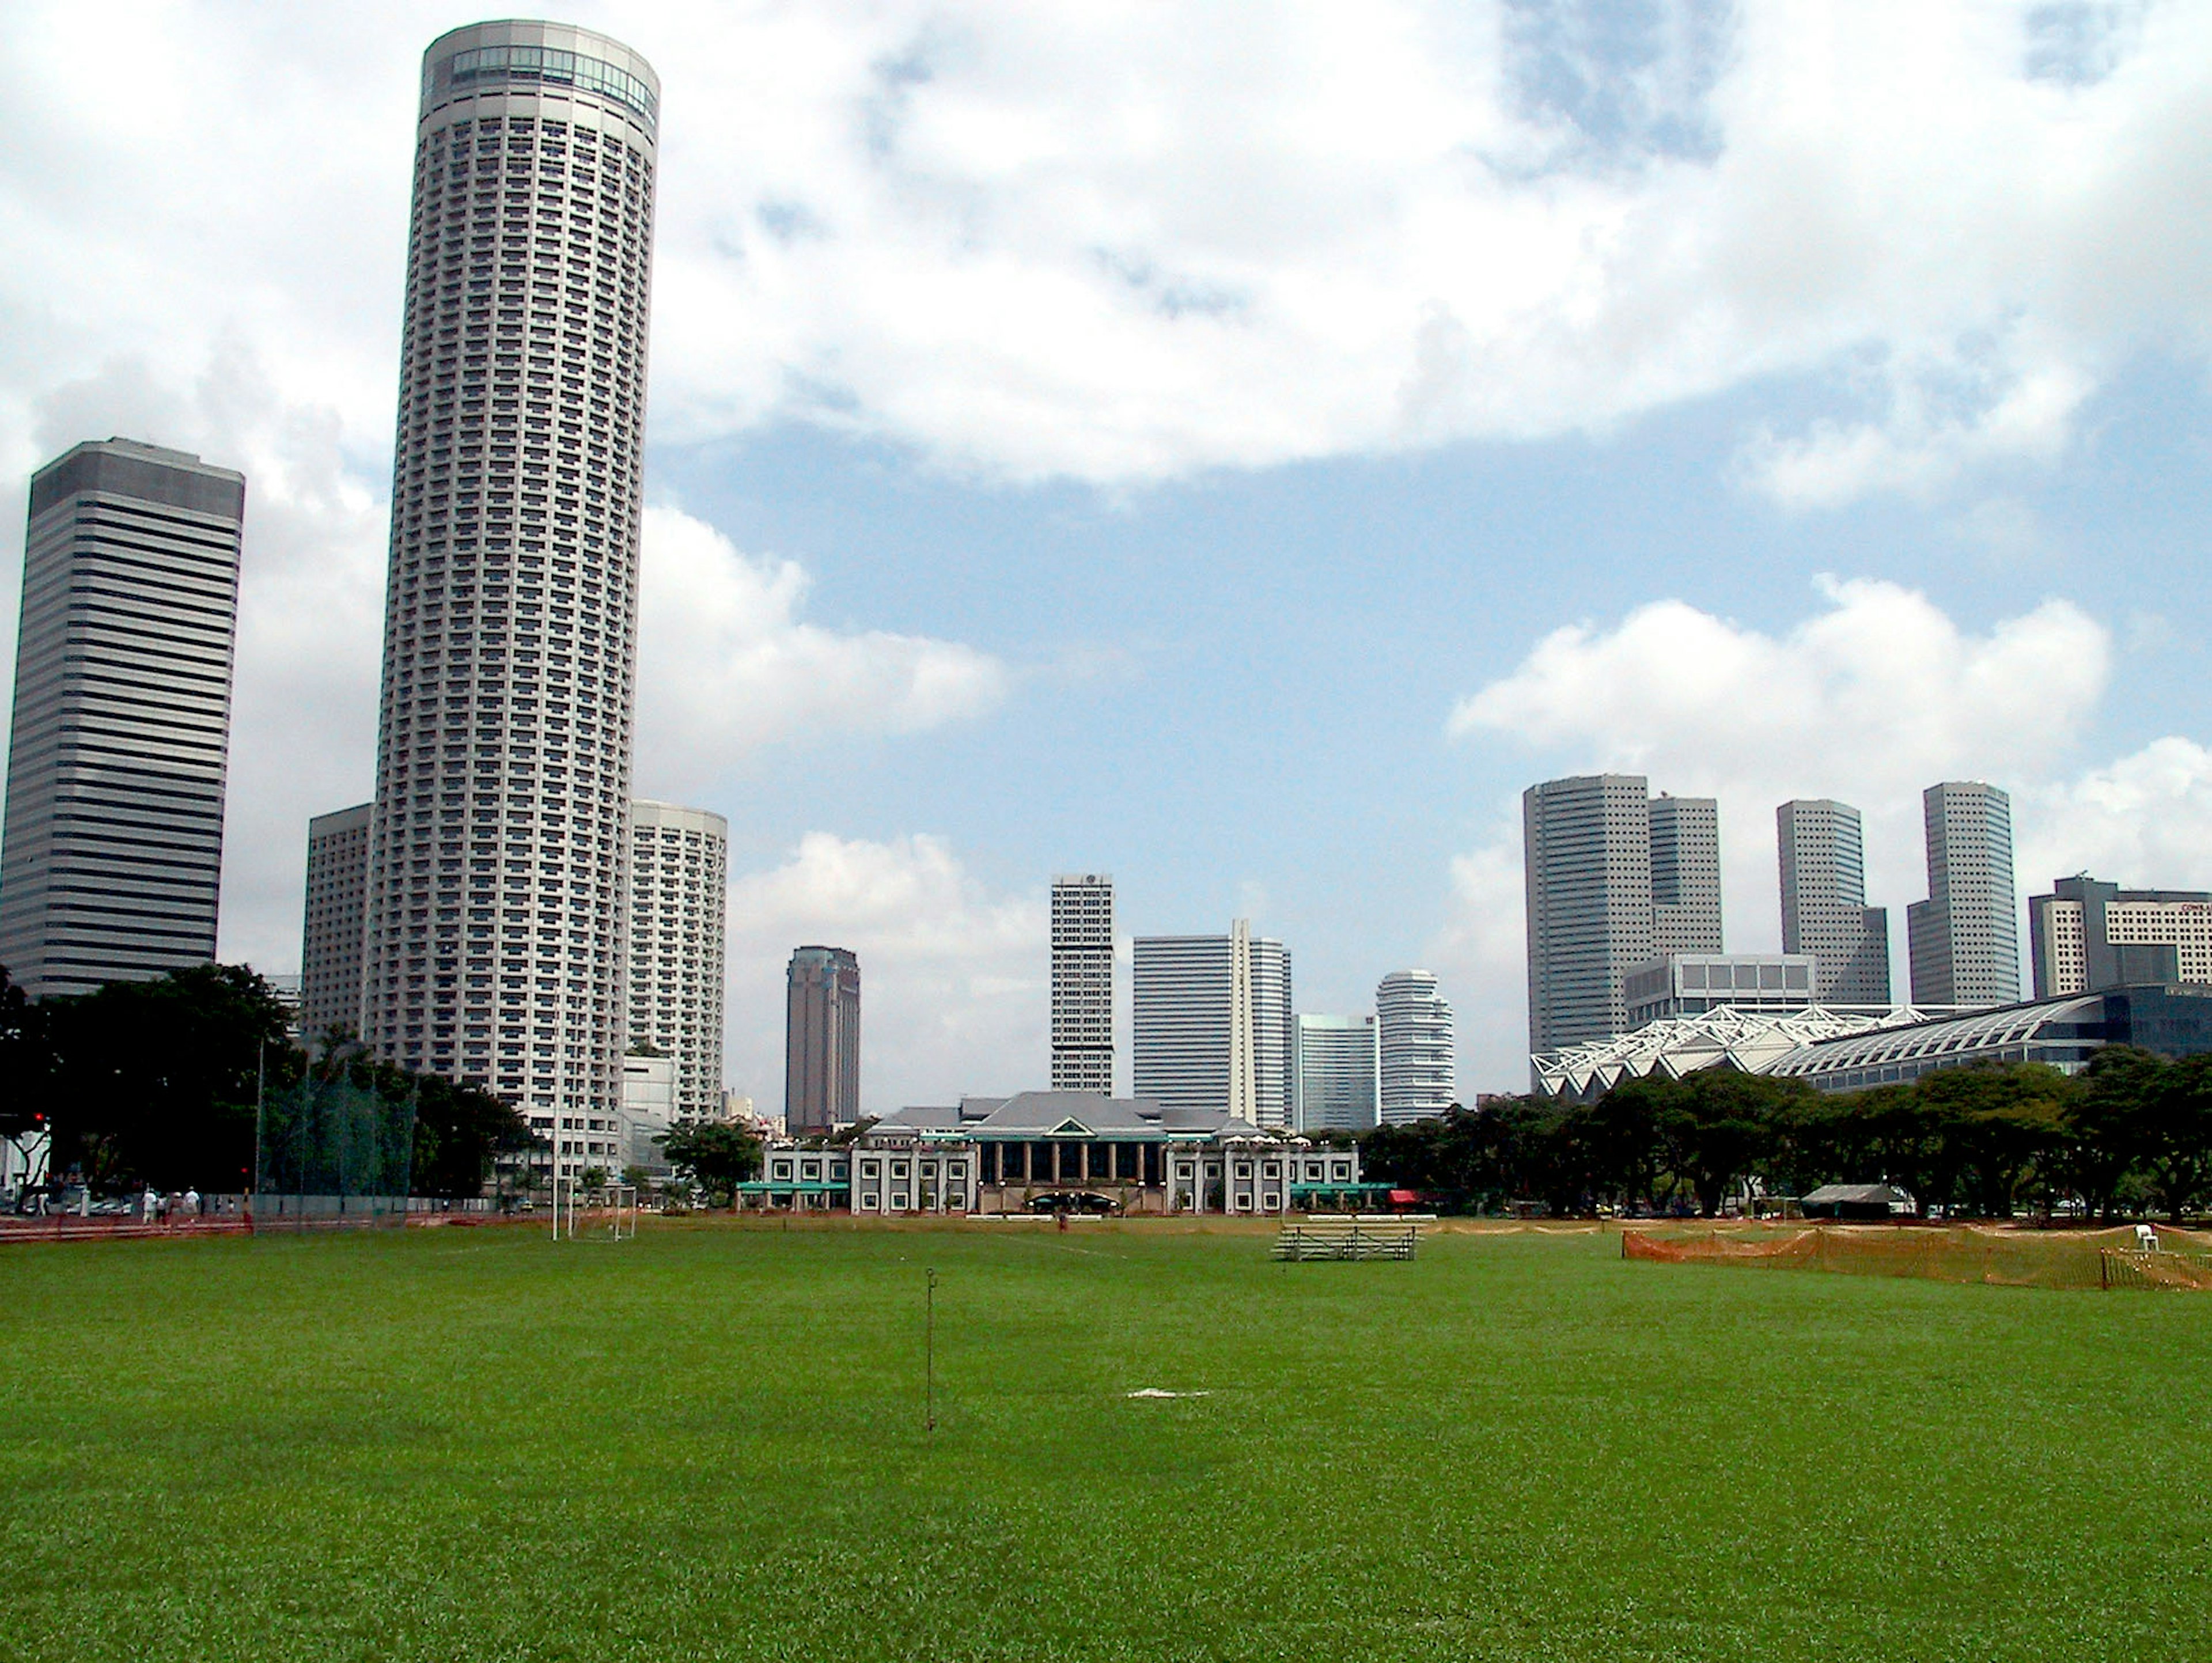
(821, 1041)
(112, 862)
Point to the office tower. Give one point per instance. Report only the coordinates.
(679, 880)
(1212, 1023)
(1082, 983)
(1824, 912)
(331, 940)
(1964, 940)
(1338, 1069)
(495, 941)
(2086, 936)
(822, 1042)
(1587, 848)
(111, 860)
(1415, 1027)
(1686, 874)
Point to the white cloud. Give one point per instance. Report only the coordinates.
(1124, 245)
(726, 665)
(954, 979)
(1871, 698)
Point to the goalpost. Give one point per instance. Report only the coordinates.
(619, 1202)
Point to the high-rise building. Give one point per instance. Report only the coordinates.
(111, 859)
(1213, 1023)
(2085, 937)
(1686, 874)
(495, 947)
(1417, 1077)
(1822, 849)
(331, 939)
(1615, 878)
(1964, 940)
(1082, 983)
(680, 881)
(1339, 1072)
(822, 1042)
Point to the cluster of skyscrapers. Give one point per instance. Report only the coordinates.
(503, 911)
(1213, 1027)
(1623, 909)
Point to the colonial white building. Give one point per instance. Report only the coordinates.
(1061, 1152)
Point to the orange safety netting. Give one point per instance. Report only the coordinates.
(1999, 1257)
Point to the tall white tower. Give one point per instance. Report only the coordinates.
(1213, 1023)
(1083, 983)
(1415, 1028)
(494, 949)
(679, 883)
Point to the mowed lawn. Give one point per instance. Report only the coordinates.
(709, 1442)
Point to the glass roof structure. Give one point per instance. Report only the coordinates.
(1749, 1041)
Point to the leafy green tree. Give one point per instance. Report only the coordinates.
(717, 1154)
(460, 1132)
(2105, 1122)
(156, 1081)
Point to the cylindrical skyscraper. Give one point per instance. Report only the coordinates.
(1415, 1026)
(494, 949)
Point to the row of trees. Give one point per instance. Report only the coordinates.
(159, 1082)
(2130, 1134)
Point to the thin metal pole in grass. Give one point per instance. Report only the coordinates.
(929, 1353)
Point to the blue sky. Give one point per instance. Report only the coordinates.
(1237, 447)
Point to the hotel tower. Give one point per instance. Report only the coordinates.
(495, 947)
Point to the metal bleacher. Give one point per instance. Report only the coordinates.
(1360, 1236)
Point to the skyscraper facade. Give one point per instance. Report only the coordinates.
(1964, 940)
(112, 857)
(1213, 1023)
(1615, 878)
(1822, 848)
(1419, 1077)
(1082, 983)
(679, 880)
(495, 934)
(331, 936)
(1339, 1074)
(821, 1041)
(2085, 937)
(1686, 874)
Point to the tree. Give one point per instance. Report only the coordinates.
(718, 1155)
(26, 1066)
(460, 1131)
(156, 1081)
(2106, 1121)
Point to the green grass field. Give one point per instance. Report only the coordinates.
(708, 1442)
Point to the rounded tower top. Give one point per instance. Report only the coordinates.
(524, 55)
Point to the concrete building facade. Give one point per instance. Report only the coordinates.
(1083, 983)
(1964, 940)
(1213, 1023)
(110, 858)
(1061, 1151)
(1338, 1064)
(334, 917)
(2085, 937)
(1691, 984)
(1418, 1065)
(679, 883)
(1821, 847)
(495, 950)
(821, 1041)
(1686, 874)
(1614, 877)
